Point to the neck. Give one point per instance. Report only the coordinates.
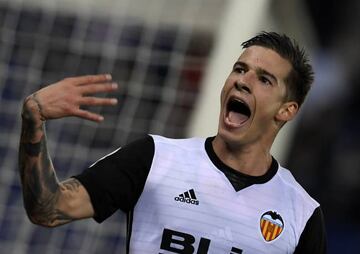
(253, 160)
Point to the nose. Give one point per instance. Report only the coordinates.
(241, 87)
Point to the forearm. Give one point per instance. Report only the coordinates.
(41, 189)
(47, 201)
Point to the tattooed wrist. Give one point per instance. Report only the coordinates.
(32, 109)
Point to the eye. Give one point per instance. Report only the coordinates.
(239, 69)
(265, 80)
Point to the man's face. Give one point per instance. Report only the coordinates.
(252, 97)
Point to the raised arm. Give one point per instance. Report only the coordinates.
(47, 201)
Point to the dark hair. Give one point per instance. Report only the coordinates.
(301, 76)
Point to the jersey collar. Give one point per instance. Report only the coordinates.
(237, 179)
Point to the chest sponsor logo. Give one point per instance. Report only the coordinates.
(188, 197)
(271, 225)
(185, 243)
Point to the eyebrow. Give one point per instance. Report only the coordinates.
(241, 63)
(258, 70)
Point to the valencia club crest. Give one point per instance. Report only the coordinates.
(271, 225)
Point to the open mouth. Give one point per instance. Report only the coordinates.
(238, 112)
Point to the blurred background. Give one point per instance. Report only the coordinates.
(171, 59)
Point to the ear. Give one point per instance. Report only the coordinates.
(287, 111)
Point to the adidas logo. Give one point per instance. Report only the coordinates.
(188, 197)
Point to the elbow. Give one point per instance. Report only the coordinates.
(42, 212)
(41, 220)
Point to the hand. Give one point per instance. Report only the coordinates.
(66, 97)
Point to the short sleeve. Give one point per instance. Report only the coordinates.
(313, 238)
(117, 180)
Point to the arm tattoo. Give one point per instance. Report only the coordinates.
(34, 99)
(32, 149)
(41, 189)
(71, 184)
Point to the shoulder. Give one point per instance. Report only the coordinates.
(193, 143)
(294, 187)
(309, 216)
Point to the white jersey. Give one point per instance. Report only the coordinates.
(189, 206)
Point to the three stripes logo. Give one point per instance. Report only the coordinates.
(271, 225)
(188, 197)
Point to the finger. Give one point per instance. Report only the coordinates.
(95, 101)
(88, 115)
(98, 88)
(88, 79)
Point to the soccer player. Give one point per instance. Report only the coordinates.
(222, 194)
